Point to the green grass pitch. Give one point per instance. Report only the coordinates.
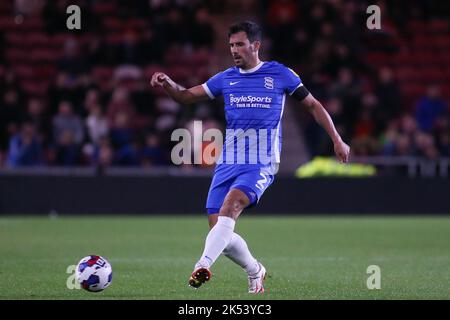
(308, 257)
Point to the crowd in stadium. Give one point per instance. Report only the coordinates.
(365, 96)
(83, 97)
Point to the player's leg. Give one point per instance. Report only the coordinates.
(220, 185)
(221, 233)
(237, 250)
(212, 219)
(254, 183)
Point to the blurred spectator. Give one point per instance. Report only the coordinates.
(365, 125)
(388, 94)
(403, 145)
(120, 103)
(129, 154)
(442, 134)
(429, 108)
(73, 61)
(121, 133)
(150, 49)
(346, 87)
(425, 145)
(67, 125)
(202, 29)
(364, 146)
(67, 150)
(144, 101)
(408, 125)
(54, 14)
(97, 52)
(102, 73)
(340, 57)
(68, 134)
(282, 12)
(28, 7)
(126, 78)
(36, 114)
(444, 143)
(91, 101)
(25, 148)
(346, 15)
(152, 155)
(128, 48)
(104, 153)
(124, 140)
(348, 90)
(97, 124)
(11, 114)
(174, 28)
(67, 88)
(389, 139)
(281, 21)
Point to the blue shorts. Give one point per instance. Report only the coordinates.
(253, 180)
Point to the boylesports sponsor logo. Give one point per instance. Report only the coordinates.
(250, 101)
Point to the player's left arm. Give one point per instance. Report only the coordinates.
(341, 149)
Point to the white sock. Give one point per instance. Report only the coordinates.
(218, 239)
(237, 250)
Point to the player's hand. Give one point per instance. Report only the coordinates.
(342, 151)
(158, 79)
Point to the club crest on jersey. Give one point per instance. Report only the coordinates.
(268, 82)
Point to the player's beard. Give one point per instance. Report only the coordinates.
(239, 62)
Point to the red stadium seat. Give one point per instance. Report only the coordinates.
(7, 23)
(379, 58)
(6, 7)
(104, 8)
(406, 73)
(417, 27)
(23, 71)
(114, 39)
(439, 26)
(15, 55)
(445, 90)
(16, 39)
(443, 42)
(32, 23)
(150, 69)
(433, 74)
(137, 24)
(40, 55)
(112, 24)
(34, 87)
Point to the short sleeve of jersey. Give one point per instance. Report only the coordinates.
(214, 85)
(291, 81)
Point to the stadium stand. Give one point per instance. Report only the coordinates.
(82, 98)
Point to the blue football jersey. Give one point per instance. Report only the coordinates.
(254, 102)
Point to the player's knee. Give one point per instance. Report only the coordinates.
(226, 252)
(226, 210)
(232, 207)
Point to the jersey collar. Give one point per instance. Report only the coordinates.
(256, 68)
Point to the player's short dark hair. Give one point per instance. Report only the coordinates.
(253, 30)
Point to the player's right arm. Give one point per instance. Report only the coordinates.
(177, 92)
